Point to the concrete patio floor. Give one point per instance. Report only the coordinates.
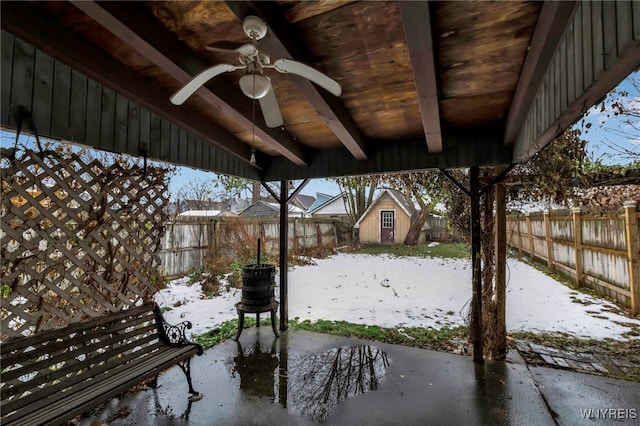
(308, 378)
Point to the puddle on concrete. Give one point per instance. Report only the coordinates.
(309, 384)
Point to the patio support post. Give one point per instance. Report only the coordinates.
(501, 270)
(284, 260)
(476, 301)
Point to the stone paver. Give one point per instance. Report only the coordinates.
(592, 363)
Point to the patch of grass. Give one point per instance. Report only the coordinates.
(445, 339)
(219, 334)
(226, 330)
(443, 250)
(340, 328)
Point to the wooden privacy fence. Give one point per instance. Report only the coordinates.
(437, 229)
(78, 238)
(188, 240)
(601, 252)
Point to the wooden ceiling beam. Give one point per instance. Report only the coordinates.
(462, 148)
(28, 22)
(282, 42)
(553, 20)
(416, 21)
(135, 26)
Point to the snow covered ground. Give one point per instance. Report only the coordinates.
(406, 291)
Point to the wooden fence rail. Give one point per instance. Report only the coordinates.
(601, 252)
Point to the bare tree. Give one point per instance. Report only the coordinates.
(618, 116)
(195, 195)
(421, 191)
(358, 192)
(223, 190)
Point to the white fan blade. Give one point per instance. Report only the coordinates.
(297, 68)
(188, 89)
(230, 46)
(270, 109)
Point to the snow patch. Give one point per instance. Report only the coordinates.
(390, 291)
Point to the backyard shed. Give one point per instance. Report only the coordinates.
(387, 219)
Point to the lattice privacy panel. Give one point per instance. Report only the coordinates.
(78, 238)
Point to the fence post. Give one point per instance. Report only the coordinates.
(577, 243)
(548, 240)
(318, 235)
(296, 248)
(518, 221)
(631, 227)
(214, 238)
(530, 235)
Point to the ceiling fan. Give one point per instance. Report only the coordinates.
(254, 83)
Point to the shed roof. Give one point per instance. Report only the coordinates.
(396, 196)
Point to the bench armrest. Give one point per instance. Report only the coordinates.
(174, 335)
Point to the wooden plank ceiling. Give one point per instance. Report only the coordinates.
(412, 73)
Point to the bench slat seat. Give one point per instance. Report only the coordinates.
(55, 375)
(68, 404)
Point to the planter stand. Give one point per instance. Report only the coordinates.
(243, 309)
(258, 285)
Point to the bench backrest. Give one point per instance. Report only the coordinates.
(54, 360)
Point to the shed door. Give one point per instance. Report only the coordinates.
(387, 226)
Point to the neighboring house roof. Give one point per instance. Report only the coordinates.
(320, 200)
(333, 207)
(201, 213)
(264, 209)
(305, 201)
(186, 205)
(395, 195)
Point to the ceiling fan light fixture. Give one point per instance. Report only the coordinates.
(255, 86)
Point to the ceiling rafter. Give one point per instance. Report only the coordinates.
(82, 56)
(280, 42)
(552, 23)
(134, 26)
(417, 29)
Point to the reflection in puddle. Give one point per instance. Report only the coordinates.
(311, 385)
(256, 370)
(318, 382)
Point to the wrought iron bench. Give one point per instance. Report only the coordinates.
(57, 374)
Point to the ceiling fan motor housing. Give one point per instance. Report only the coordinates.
(254, 25)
